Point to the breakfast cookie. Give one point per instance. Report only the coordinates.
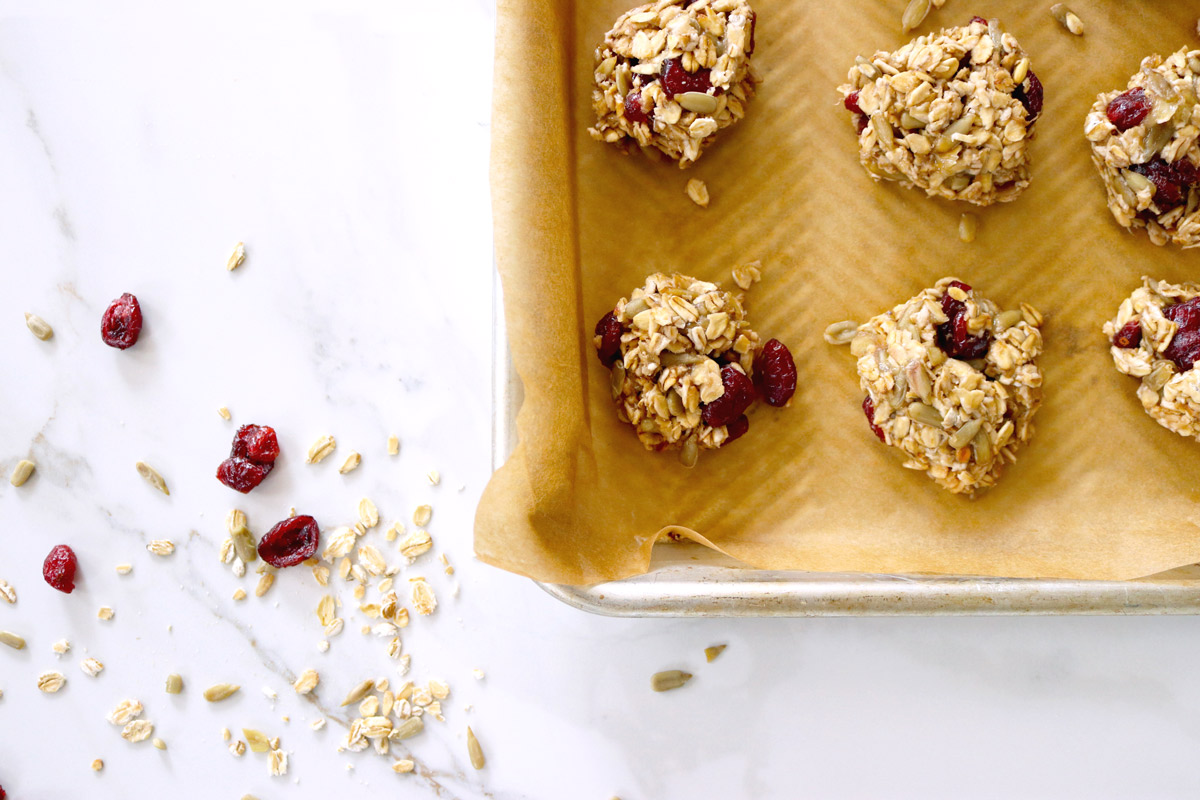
(951, 113)
(673, 73)
(686, 366)
(951, 381)
(1144, 142)
(1156, 337)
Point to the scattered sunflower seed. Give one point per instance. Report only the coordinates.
(12, 640)
(124, 569)
(697, 190)
(393, 446)
(159, 744)
(474, 750)
(257, 740)
(224, 412)
(219, 692)
(351, 463)
(434, 477)
(51, 682)
(151, 476)
(21, 472)
(174, 684)
(711, 653)
(968, 224)
(840, 333)
(239, 594)
(408, 728)
(320, 449)
(668, 680)
(264, 584)
(236, 257)
(914, 14)
(359, 692)
(1067, 18)
(404, 766)
(38, 326)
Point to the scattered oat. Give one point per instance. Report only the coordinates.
(175, 686)
(371, 560)
(317, 724)
(323, 646)
(151, 476)
(38, 326)
(697, 190)
(434, 477)
(124, 712)
(474, 750)
(307, 681)
(670, 679)
(422, 515)
(224, 412)
(423, 599)
(8, 592)
(264, 584)
(368, 514)
(138, 730)
(92, 666)
(161, 547)
(258, 741)
(219, 692)
(239, 594)
(237, 749)
(393, 446)
(320, 449)
(12, 640)
(236, 257)
(225, 734)
(478, 673)
(335, 628)
(277, 763)
(403, 766)
(124, 569)
(711, 653)
(449, 569)
(51, 682)
(968, 224)
(1067, 18)
(61, 647)
(21, 472)
(97, 765)
(747, 275)
(105, 613)
(351, 463)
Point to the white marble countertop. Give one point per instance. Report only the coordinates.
(348, 149)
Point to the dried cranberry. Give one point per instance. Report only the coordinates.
(242, 474)
(953, 335)
(677, 80)
(1031, 98)
(737, 428)
(739, 394)
(979, 19)
(1171, 181)
(1128, 109)
(3, 794)
(256, 443)
(869, 410)
(851, 103)
(749, 52)
(860, 123)
(1184, 348)
(290, 542)
(59, 568)
(633, 109)
(609, 330)
(122, 322)
(1130, 335)
(775, 373)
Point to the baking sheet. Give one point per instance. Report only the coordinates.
(1102, 492)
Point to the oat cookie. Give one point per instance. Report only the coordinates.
(1144, 142)
(951, 113)
(1156, 337)
(673, 73)
(952, 381)
(686, 365)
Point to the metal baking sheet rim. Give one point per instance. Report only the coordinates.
(693, 581)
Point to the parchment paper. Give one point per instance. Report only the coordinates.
(1102, 492)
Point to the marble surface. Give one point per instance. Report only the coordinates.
(138, 142)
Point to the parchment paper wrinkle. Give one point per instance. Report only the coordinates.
(1101, 493)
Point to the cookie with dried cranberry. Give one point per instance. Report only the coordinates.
(952, 381)
(1155, 336)
(951, 113)
(1144, 143)
(672, 74)
(686, 366)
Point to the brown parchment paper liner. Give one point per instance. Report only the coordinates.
(1101, 493)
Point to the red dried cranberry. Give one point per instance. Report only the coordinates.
(749, 52)
(3, 794)
(1128, 109)
(775, 373)
(860, 123)
(1130, 335)
(633, 109)
(59, 568)
(290, 542)
(1171, 181)
(1030, 97)
(242, 474)
(953, 335)
(609, 329)
(739, 394)
(677, 80)
(851, 103)
(869, 409)
(1184, 348)
(122, 322)
(737, 428)
(979, 19)
(256, 443)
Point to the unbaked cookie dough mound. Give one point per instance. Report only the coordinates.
(952, 381)
(686, 366)
(1156, 337)
(1144, 142)
(951, 113)
(672, 74)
